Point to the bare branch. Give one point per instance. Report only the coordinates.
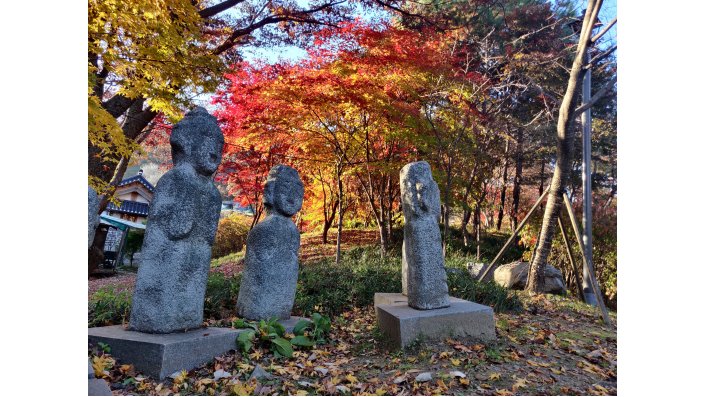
(597, 96)
(598, 58)
(218, 8)
(603, 31)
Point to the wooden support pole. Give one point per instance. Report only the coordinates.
(591, 272)
(570, 258)
(514, 235)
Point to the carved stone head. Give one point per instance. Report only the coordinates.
(197, 140)
(283, 191)
(419, 192)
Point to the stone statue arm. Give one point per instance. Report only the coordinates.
(173, 207)
(214, 205)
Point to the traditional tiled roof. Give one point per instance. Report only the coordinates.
(130, 207)
(138, 178)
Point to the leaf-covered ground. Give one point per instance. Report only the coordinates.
(555, 346)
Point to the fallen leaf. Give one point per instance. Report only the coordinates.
(423, 377)
(494, 376)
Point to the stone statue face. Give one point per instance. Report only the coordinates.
(288, 196)
(197, 140)
(208, 153)
(283, 191)
(420, 192)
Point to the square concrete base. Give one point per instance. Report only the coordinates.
(160, 355)
(404, 324)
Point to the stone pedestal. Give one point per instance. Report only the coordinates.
(404, 324)
(160, 355)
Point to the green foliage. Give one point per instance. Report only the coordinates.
(109, 306)
(332, 289)
(269, 334)
(133, 242)
(221, 294)
(231, 235)
(462, 285)
(309, 333)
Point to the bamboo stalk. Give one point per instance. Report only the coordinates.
(570, 258)
(588, 264)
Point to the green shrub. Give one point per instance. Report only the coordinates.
(221, 293)
(109, 306)
(332, 289)
(231, 235)
(133, 243)
(462, 285)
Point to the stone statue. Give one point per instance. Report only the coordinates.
(268, 285)
(93, 217)
(181, 227)
(423, 273)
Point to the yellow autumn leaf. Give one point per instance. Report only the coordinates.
(455, 361)
(495, 376)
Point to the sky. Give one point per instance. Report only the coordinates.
(292, 53)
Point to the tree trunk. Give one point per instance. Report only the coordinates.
(503, 194)
(565, 136)
(136, 119)
(328, 222)
(516, 194)
(338, 175)
(446, 207)
(464, 227)
(542, 177)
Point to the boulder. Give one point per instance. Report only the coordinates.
(476, 269)
(514, 275)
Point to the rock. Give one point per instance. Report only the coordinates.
(400, 379)
(183, 218)
(175, 375)
(93, 216)
(423, 377)
(594, 355)
(514, 275)
(219, 374)
(98, 387)
(260, 373)
(268, 285)
(91, 372)
(304, 383)
(422, 261)
(476, 269)
(457, 374)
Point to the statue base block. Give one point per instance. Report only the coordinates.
(404, 324)
(160, 355)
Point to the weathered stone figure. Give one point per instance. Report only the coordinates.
(268, 284)
(183, 218)
(423, 273)
(93, 217)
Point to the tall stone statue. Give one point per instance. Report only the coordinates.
(93, 217)
(268, 285)
(423, 273)
(183, 218)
